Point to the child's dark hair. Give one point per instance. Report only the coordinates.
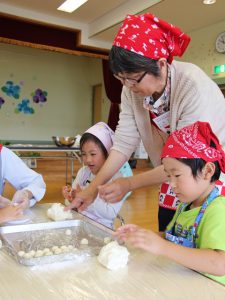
(90, 137)
(197, 164)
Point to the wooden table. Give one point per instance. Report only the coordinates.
(145, 277)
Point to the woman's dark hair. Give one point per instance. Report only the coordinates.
(86, 137)
(122, 60)
(197, 164)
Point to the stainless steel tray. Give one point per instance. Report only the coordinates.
(45, 236)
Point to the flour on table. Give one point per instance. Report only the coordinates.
(56, 212)
(113, 256)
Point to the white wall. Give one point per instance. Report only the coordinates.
(201, 50)
(68, 80)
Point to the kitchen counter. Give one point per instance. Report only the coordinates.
(65, 153)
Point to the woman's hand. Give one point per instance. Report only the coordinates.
(141, 238)
(114, 191)
(10, 213)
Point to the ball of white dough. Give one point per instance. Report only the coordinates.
(57, 251)
(107, 240)
(113, 256)
(21, 253)
(64, 248)
(46, 250)
(68, 232)
(70, 247)
(54, 248)
(39, 253)
(48, 253)
(28, 255)
(84, 242)
(56, 212)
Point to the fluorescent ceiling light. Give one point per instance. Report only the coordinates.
(209, 1)
(71, 5)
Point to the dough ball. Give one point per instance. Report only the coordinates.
(46, 250)
(21, 253)
(48, 253)
(28, 255)
(57, 251)
(84, 242)
(31, 253)
(64, 248)
(39, 253)
(56, 213)
(113, 256)
(54, 248)
(107, 240)
(68, 232)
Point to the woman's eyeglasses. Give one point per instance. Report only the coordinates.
(130, 81)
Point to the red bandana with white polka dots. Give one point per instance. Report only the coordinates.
(151, 37)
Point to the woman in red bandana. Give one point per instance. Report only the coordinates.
(159, 96)
(192, 159)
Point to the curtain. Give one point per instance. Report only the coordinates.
(113, 89)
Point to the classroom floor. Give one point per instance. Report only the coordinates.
(140, 208)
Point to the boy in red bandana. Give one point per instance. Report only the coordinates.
(193, 159)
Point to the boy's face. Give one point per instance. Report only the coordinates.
(92, 156)
(185, 186)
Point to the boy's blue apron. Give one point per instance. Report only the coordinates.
(189, 241)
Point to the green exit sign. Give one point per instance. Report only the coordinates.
(219, 69)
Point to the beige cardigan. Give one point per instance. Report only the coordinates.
(194, 97)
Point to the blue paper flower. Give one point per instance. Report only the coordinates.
(24, 107)
(11, 90)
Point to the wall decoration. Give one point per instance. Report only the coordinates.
(24, 107)
(12, 90)
(39, 96)
(2, 101)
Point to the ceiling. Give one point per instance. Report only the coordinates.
(99, 20)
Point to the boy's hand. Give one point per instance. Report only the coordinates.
(141, 238)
